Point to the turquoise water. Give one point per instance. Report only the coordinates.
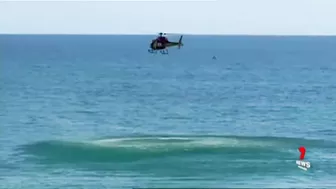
(100, 112)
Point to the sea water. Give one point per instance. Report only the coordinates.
(96, 112)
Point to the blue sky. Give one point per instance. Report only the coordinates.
(253, 17)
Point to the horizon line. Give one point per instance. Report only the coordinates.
(187, 34)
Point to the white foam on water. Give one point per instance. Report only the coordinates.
(176, 142)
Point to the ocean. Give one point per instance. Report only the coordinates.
(99, 111)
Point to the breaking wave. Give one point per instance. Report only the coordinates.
(130, 149)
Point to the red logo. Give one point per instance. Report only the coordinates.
(302, 150)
